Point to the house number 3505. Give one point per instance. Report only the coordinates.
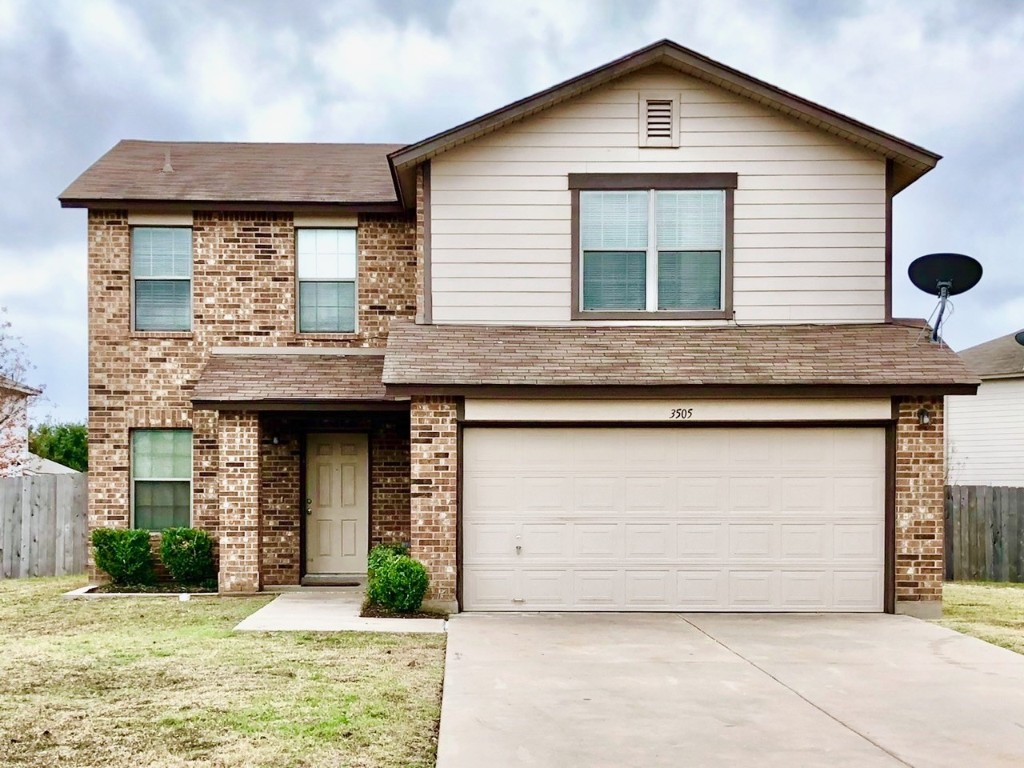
(681, 413)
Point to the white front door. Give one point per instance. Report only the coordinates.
(337, 504)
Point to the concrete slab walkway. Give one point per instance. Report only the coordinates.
(323, 609)
(711, 690)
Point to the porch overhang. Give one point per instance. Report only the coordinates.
(295, 379)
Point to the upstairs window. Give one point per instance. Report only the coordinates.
(161, 478)
(655, 252)
(327, 280)
(162, 278)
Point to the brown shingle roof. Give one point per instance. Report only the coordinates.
(996, 359)
(14, 386)
(451, 355)
(226, 172)
(290, 378)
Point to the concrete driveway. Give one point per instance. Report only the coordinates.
(693, 690)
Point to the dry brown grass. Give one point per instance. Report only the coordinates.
(992, 612)
(144, 682)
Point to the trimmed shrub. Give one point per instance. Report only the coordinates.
(397, 582)
(124, 554)
(187, 553)
(382, 553)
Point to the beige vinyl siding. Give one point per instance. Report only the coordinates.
(809, 242)
(985, 435)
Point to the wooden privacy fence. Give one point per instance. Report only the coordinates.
(984, 533)
(42, 525)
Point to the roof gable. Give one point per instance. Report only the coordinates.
(910, 160)
(1001, 358)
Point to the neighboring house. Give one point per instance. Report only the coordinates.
(626, 344)
(15, 458)
(985, 433)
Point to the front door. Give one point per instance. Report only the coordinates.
(337, 504)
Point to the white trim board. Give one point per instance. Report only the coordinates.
(679, 410)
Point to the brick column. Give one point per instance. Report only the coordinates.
(434, 493)
(238, 437)
(920, 513)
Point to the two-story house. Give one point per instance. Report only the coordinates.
(626, 344)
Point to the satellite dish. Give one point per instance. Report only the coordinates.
(1019, 338)
(944, 275)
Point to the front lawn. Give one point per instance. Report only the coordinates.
(993, 612)
(156, 682)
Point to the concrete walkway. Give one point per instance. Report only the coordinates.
(324, 609)
(653, 690)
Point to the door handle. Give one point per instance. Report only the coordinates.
(309, 506)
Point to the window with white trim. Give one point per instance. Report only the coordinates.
(161, 471)
(327, 280)
(162, 278)
(652, 250)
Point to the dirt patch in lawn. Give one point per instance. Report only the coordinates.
(373, 611)
(992, 612)
(142, 682)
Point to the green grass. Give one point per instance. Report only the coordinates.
(158, 682)
(992, 612)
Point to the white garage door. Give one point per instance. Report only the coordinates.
(688, 519)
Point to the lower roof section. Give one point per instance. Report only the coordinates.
(277, 379)
(793, 360)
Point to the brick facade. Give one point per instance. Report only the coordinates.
(434, 497)
(239, 462)
(920, 513)
(243, 295)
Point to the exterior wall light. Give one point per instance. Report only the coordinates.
(924, 417)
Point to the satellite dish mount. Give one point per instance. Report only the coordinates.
(944, 275)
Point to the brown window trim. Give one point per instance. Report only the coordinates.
(645, 181)
(605, 181)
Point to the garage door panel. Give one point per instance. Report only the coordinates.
(806, 494)
(750, 541)
(597, 540)
(650, 588)
(857, 590)
(545, 540)
(546, 494)
(596, 493)
(595, 589)
(752, 589)
(753, 494)
(858, 494)
(699, 541)
(804, 590)
(489, 540)
(485, 494)
(701, 494)
(647, 541)
(698, 452)
(769, 519)
(655, 494)
(696, 590)
(858, 541)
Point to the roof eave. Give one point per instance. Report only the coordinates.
(248, 205)
(914, 159)
(706, 390)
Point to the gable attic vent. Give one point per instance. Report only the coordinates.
(659, 120)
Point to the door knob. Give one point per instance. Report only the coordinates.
(309, 506)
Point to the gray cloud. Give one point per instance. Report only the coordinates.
(76, 76)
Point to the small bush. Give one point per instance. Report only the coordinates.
(187, 553)
(382, 553)
(397, 582)
(124, 554)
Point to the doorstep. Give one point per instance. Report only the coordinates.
(328, 609)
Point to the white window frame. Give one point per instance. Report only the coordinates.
(132, 479)
(191, 276)
(298, 283)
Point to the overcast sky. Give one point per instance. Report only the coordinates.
(77, 76)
